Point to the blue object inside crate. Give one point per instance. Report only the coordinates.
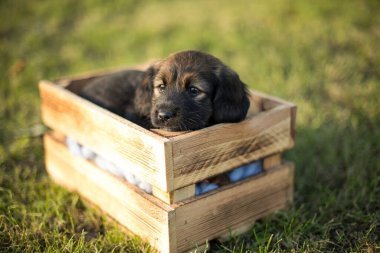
(234, 175)
(103, 163)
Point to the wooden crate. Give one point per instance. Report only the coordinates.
(173, 219)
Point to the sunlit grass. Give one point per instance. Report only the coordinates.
(324, 56)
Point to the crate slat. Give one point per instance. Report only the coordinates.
(181, 226)
(208, 152)
(121, 141)
(232, 207)
(175, 196)
(141, 213)
(272, 161)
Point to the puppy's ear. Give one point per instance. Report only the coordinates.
(231, 101)
(144, 92)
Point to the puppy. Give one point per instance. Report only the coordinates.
(188, 90)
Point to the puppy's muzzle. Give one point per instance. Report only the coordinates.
(165, 115)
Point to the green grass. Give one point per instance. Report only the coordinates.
(322, 55)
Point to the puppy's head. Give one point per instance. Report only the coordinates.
(191, 90)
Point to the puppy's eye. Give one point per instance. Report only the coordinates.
(161, 87)
(193, 91)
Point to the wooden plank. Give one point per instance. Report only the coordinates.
(256, 105)
(175, 196)
(233, 206)
(141, 213)
(270, 102)
(144, 153)
(272, 161)
(183, 193)
(227, 209)
(236, 231)
(207, 152)
(168, 134)
(172, 233)
(162, 195)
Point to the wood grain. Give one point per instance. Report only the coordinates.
(272, 161)
(242, 229)
(217, 149)
(175, 196)
(181, 226)
(271, 101)
(141, 213)
(144, 153)
(232, 207)
(168, 134)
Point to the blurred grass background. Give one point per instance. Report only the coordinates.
(322, 55)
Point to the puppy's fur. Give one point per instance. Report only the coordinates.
(186, 91)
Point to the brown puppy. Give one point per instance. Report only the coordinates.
(186, 91)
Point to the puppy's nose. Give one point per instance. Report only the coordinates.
(165, 115)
